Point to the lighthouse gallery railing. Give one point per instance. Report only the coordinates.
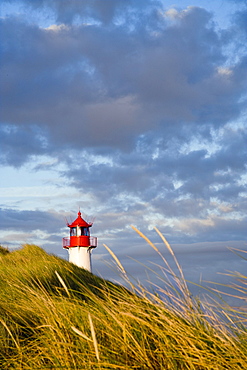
(82, 241)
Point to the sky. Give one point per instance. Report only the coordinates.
(135, 113)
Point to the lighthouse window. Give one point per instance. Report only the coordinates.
(85, 231)
(73, 231)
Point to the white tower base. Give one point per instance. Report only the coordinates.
(81, 256)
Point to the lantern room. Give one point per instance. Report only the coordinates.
(80, 234)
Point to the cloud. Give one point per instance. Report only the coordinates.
(19, 143)
(30, 220)
(68, 12)
(103, 86)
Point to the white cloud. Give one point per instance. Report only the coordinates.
(223, 71)
(172, 13)
(57, 27)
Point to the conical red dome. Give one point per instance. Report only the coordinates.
(79, 222)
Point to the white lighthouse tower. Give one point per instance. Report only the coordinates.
(80, 243)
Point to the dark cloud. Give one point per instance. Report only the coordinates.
(103, 86)
(101, 11)
(20, 143)
(30, 220)
(216, 175)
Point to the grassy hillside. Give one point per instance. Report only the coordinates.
(54, 315)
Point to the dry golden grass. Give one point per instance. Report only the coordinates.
(55, 315)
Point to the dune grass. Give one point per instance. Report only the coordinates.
(3, 251)
(54, 315)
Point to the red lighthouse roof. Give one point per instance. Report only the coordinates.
(79, 222)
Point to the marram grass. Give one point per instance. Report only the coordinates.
(54, 315)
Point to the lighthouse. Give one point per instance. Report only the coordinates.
(80, 243)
